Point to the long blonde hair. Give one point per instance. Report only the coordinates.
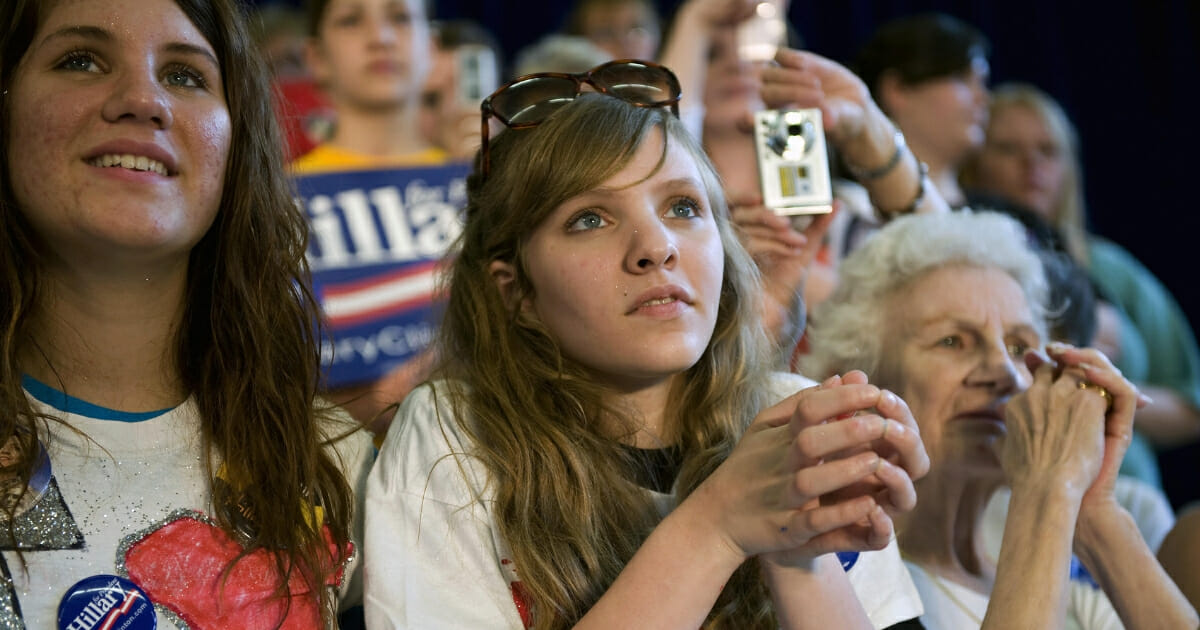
(564, 501)
(1067, 216)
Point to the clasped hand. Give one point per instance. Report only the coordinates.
(1067, 436)
(822, 471)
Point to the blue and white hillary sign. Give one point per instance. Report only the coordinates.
(377, 238)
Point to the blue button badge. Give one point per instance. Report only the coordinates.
(106, 602)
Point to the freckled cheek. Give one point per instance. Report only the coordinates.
(212, 139)
(37, 148)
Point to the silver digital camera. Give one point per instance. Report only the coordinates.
(793, 166)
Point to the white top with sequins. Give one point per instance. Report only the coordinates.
(131, 498)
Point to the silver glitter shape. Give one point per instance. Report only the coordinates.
(47, 524)
(10, 611)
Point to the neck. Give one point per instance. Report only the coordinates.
(646, 407)
(110, 340)
(943, 532)
(380, 132)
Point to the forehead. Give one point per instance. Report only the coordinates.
(650, 163)
(126, 21)
(978, 295)
(1019, 117)
(411, 6)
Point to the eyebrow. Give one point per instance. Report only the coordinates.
(95, 33)
(963, 324)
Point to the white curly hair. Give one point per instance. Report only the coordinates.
(847, 330)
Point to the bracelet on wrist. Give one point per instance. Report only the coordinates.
(864, 174)
(922, 182)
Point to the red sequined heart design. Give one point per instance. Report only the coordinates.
(182, 565)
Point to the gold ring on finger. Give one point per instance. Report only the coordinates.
(1104, 393)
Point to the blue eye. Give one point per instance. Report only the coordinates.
(184, 77)
(684, 208)
(79, 61)
(584, 221)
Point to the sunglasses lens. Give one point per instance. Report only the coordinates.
(532, 100)
(637, 83)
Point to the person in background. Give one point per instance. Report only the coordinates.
(1031, 157)
(558, 53)
(371, 58)
(605, 444)
(929, 74)
(625, 29)
(161, 425)
(303, 112)
(948, 310)
(797, 270)
(466, 67)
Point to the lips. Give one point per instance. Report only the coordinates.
(994, 414)
(659, 296)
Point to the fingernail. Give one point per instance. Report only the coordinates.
(1057, 347)
(1145, 400)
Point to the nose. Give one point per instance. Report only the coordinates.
(998, 370)
(382, 32)
(651, 246)
(139, 96)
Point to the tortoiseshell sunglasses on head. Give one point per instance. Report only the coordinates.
(527, 101)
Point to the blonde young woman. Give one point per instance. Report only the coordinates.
(604, 446)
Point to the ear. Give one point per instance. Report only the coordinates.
(891, 93)
(505, 277)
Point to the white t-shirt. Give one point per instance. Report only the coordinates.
(1088, 608)
(950, 606)
(1146, 504)
(136, 485)
(435, 558)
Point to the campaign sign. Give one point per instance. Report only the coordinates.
(377, 238)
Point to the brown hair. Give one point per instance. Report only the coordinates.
(564, 502)
(247, 344)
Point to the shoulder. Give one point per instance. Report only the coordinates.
(1107, 254)
(344, 435)
(426, 449)
(883, 585)
(780, 385)
(327, 159)
(324, 158)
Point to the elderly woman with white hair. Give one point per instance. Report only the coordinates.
(949, 312)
